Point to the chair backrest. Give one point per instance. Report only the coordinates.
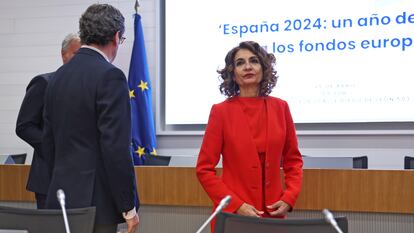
(157, 160)
(408, 162)
(16, 159)
(360, 162)
(186, 161)
(327, 162)
(80, 220)
(335, 162)
(13, 231)
(227, 223)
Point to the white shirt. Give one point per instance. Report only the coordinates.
(97, 50)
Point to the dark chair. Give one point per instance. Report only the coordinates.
(360, 162)
(157, 160)
(16, 159)
(228, 223)
(40, 221)
(327, 162)
(408, 162)
(12, 231)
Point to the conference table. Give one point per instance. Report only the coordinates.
(354, 190)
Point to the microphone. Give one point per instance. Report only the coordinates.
(331, 220)
(223, 203)
(61, 198)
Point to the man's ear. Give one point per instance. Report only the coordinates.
(116, 38)
(63, 55)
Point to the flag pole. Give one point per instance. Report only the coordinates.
(136, 6)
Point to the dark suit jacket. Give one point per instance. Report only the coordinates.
(29, 127)
(87, 137)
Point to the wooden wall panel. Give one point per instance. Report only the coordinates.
(387, 191)
(13, 180)
(170, 186)
(358, 190)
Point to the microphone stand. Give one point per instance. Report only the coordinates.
(61, 198)
(223, 203)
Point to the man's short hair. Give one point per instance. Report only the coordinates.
(99, 24)
(68, 39)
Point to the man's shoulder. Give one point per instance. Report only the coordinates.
(40, 80)
(45, 76)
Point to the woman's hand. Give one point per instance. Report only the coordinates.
(280, 208)
(248, 210)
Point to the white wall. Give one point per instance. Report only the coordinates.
(30, 37)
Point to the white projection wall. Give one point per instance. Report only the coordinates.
(337, 61)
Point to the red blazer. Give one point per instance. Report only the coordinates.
(228, 134)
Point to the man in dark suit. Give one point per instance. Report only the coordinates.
(29, 123)
(87, 120)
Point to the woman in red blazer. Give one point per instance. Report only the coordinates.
(253, 132)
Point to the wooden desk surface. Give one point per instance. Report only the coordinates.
(388, 191)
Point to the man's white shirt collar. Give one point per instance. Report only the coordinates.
(97, 50)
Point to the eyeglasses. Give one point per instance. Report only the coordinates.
(122, 39)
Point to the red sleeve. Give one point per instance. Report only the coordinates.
(292, 162)
(208, 158)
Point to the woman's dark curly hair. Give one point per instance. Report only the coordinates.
(229, 87)
(99, 24)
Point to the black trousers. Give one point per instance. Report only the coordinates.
(99, 228)
(40, 200)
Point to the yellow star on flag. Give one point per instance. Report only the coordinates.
(143, 85)
(154, 152)
(140, 151)
(131, 94)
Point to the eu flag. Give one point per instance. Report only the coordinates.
(143, 130)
